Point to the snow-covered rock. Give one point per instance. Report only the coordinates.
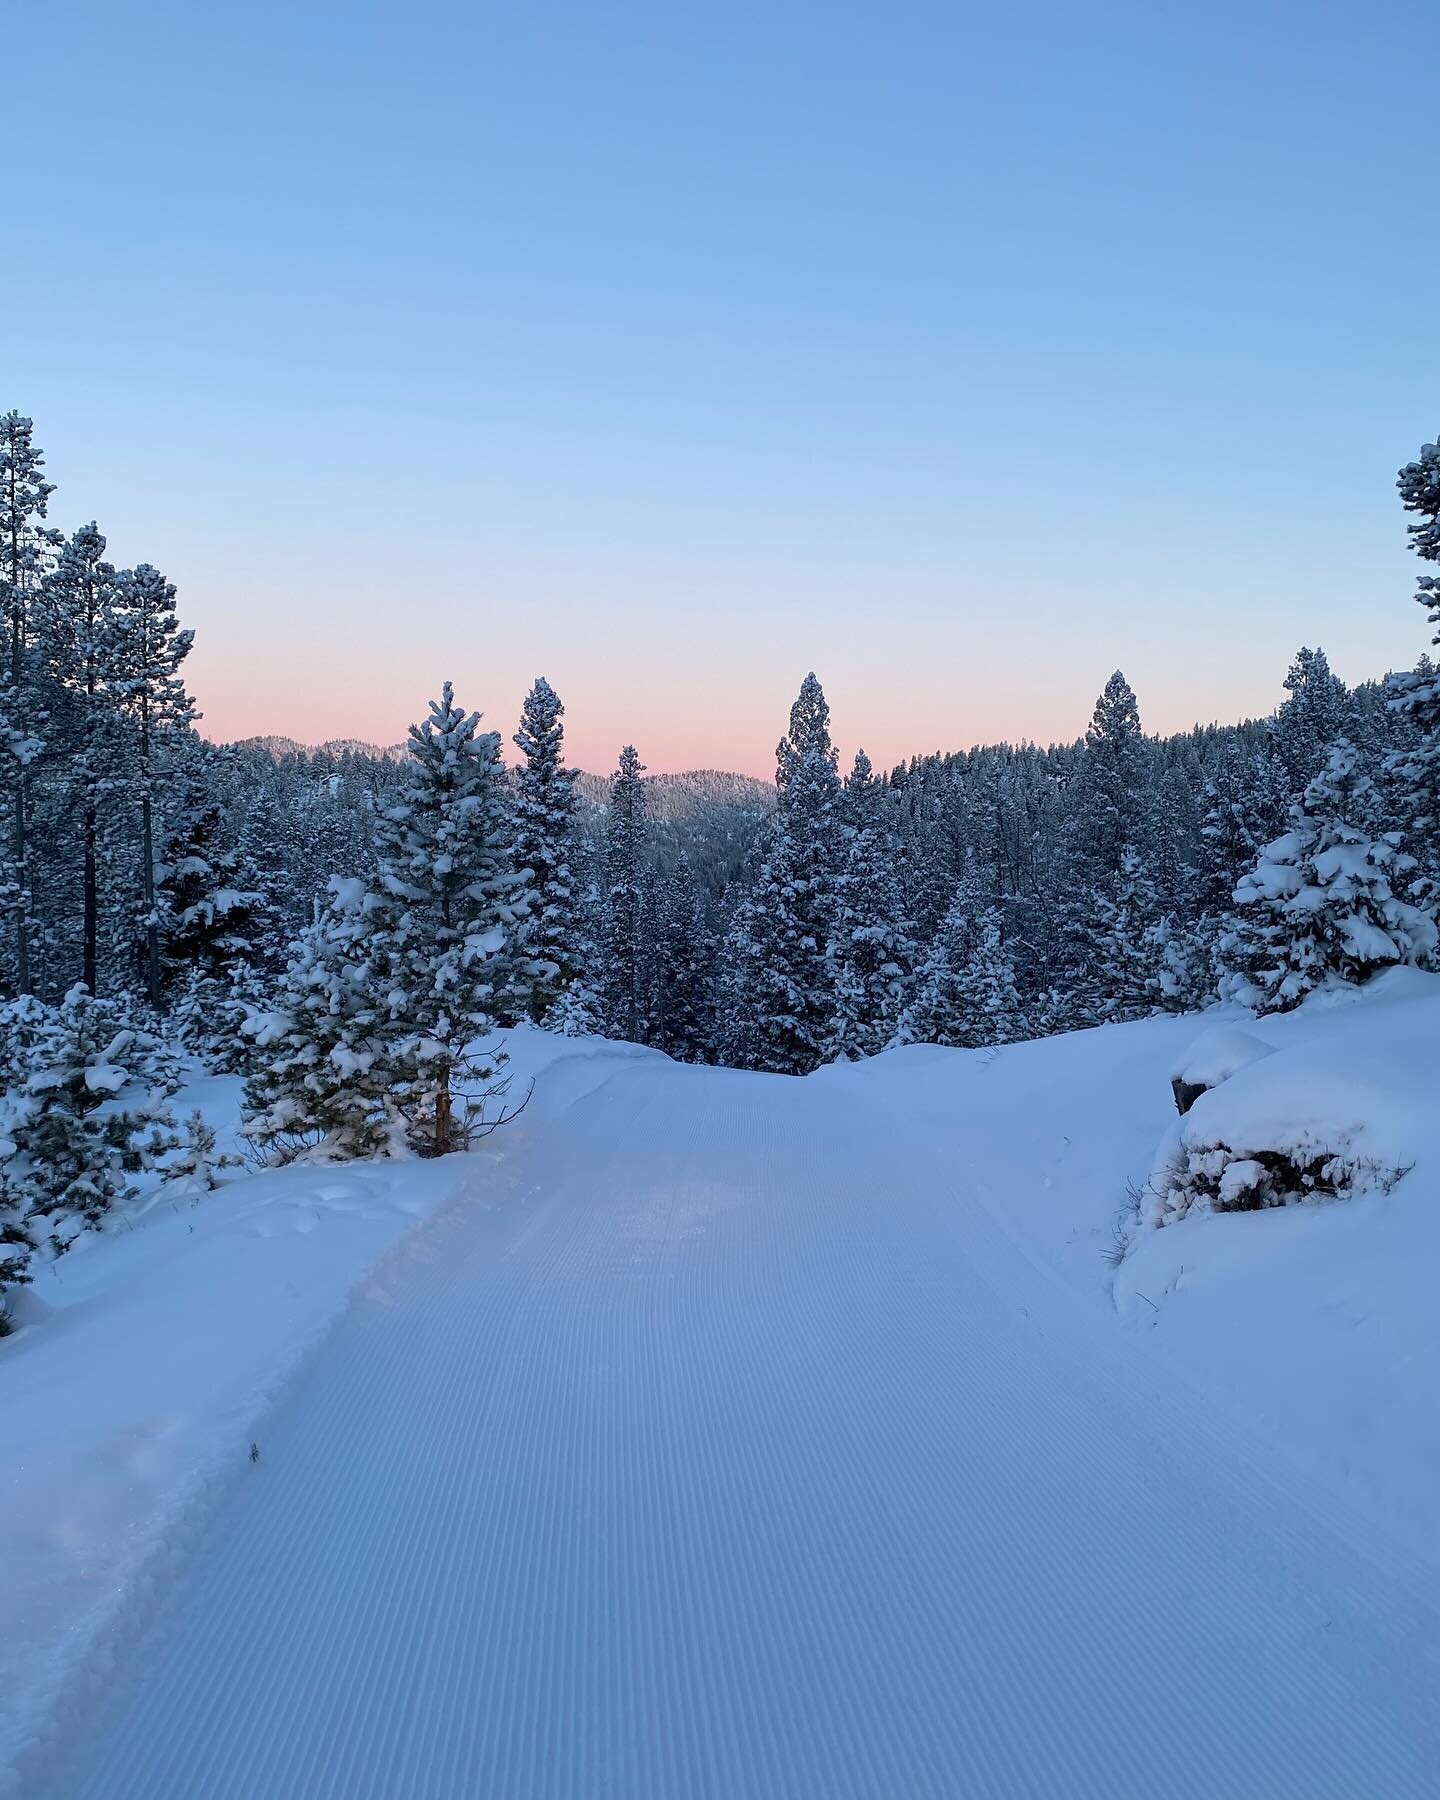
(1212, 1058)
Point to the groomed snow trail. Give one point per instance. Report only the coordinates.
(735, 1453)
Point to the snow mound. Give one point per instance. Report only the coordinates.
(1216, 1055)
(1274, 1126)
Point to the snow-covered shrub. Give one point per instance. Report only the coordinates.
(194, 1167)
(1219, 1178)
(1278, 1128)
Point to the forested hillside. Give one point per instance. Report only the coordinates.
(354, 928)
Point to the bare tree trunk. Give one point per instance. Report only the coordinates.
(443, 1116)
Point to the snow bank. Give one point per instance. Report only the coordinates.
(1314, 1327)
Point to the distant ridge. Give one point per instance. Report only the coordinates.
(677, 796)
(287, 746)
(670, 797)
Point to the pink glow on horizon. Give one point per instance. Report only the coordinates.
(735, 731)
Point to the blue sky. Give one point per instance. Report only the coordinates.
(962, 354)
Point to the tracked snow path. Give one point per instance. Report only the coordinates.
(740, 1456)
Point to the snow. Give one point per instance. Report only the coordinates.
(1216, 1055)
(709, 1433)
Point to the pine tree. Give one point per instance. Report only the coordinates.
(320, 1086)
(1245, 804)
(270, 846)
(150, 648)
(214, 921)
(24, 497)
(78, 598)
(1320, 905)
(873, 951)
(91, 1113)
(784, 978)
(1146, 956)
(195, 1166)
(1316, 714)
(24, 1024)
(684, 1013)
(967, 996)
(809, 730)
(17, 1245)
(1414, 768)
(544, 850)
(447, 925)
(1111, 800)
(626, 849)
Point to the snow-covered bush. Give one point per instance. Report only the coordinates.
(1216, 1177)
(195, 1166)
(1270, 1128)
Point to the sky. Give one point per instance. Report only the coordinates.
(960, 353)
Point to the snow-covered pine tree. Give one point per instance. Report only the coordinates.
(1245, 804)
(91, 1112)
(1111, 802)
(738, 975)
(626, 853)
(214, 919)
(24, 1023)
(872, 948)
(1147, 957)
(783, 979)
(195, 1166)
(24, 548)
(319, 1089)
(580, 1008)
(545, 850)
(1111, 813)
(270, 845)
(211, 911)
(685, 1010)
(150, 648)
(1320, 905)
(17, 1246)
(447, 919)
(809, 730)
(77, 602)
(651, 979)
(1316, 715)
(1414, 768)
(967, 997)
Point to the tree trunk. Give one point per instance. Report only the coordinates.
(442, 1116)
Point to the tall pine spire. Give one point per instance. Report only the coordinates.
(544, 849)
